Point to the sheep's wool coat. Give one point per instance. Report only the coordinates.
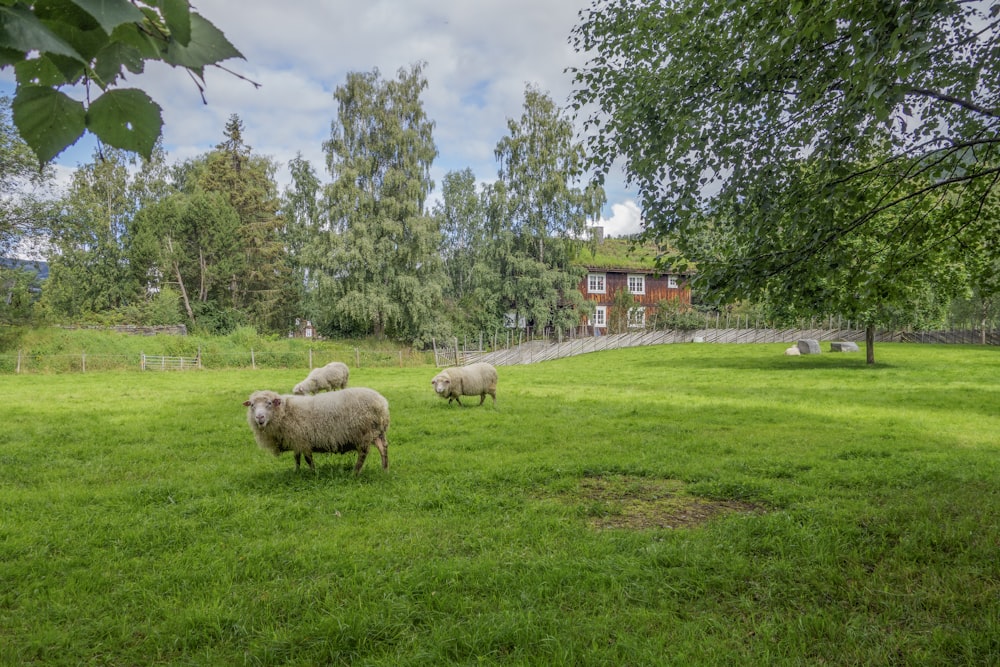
(477, 379)
(331, 377)
(334, 422)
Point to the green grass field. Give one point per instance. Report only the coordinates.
(681, 504)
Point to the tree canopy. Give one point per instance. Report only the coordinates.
(62, 43)
(771, 115)
(21, 211)
(376, 263)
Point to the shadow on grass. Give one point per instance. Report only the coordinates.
(330, 469)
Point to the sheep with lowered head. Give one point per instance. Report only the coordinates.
(331, 377)
(334, 422)
(473, 380)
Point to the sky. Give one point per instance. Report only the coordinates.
(479, 55)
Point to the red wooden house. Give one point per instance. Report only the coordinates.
(613, 268)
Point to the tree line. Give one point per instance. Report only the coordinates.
(212, 243)
(800, 158)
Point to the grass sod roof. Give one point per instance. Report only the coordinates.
(623, 254)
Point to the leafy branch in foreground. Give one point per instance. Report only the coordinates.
(714, 107)
(62, 43)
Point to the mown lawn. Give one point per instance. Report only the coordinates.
(683, 504)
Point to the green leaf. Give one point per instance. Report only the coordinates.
(110, 60)
(39, 72)
(110, 13)
(177, 15)
(72, 70)
(208, 46)
(20, 29)
(148, 47)
(47, 120)
(85, 42)
(10, 56)
(126, 118)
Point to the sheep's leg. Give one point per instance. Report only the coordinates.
(457, 400)
(298, 460)
(362, 454)
(482, 397)
(383, 448)
(309, 460)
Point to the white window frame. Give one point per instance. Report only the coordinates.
(601, 317)
(636, 283)
(672, 282)
(592, 283)
(637, 317)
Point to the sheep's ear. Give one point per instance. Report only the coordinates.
(246, 403)
(276, 401)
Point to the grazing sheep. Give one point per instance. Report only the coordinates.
(334, 422)
(333, 376)
(472, 380)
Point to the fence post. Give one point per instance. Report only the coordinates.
(18, 371)
(199, 357)
(357, 358)
(310, 358)
(455, 339)
(142, 361)
(83, 362)
(253, 360)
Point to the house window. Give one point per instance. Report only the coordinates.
(595, 283)
(637, 284)
(637, 317)
(601, 316)
(672, 282)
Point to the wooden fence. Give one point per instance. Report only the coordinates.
(537, 350)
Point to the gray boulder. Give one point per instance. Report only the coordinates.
(808, 346)
(843, 346)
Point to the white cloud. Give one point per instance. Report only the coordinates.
(479, 57)
(626, 218)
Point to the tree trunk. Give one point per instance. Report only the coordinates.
(984, 314)
(184, 294)
(870, 343)
(203, 289)
(180, 281)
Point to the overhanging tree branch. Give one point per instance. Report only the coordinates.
(951, 99)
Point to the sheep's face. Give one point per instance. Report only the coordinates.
(442, 384)
(262, 406)
(299, 390)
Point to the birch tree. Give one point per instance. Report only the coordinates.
(537, 215)
(376, 261)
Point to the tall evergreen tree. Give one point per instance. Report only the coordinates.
(261, 284)
(376, 262)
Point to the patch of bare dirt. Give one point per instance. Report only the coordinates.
(639, 503)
